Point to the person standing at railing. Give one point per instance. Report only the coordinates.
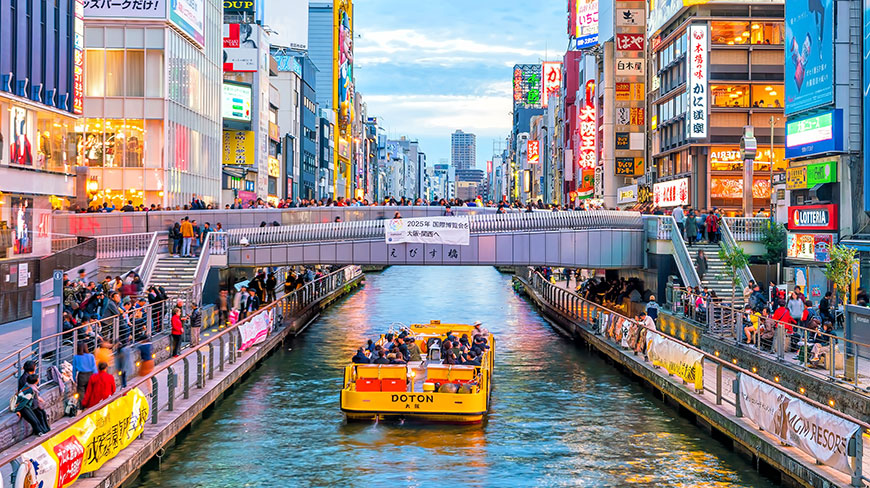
(186, 237)
(177, 331)
(825, 308)
(271, 284)
(195, 321)
(84, 365)
(680, 218)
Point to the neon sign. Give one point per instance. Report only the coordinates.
(587, 129)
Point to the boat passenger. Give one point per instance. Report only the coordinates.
(360, 357)
(479, 330)
(413, 350)
(395, 358)
(402, 349)
(472, 359)
(382, 359)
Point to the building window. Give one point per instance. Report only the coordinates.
(135, 73)
(729, 95)
(95, 61)
(768, 96)
(114, 73)
(729, 33)
(154, 73)
(113, 143)
(767, 33)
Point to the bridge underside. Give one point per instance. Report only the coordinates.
(599, 249)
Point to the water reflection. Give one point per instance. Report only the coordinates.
(560, 417)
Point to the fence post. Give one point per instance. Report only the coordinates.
(200, 370)
(186, 378)
(856, 457)
(210, 361)
(718, 383)
(155, 405)
(171, 381)
(780, 342)
(149, 311)
(221, 353)
(735, 387)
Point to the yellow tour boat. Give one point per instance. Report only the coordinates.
(426, 390)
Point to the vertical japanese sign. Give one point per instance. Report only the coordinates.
(527, 86)
(630, 69)
(587, 149)
(79, 58)
(533, 152)
(809, 60)
(552, 74)
(584, 18)
(698, 40)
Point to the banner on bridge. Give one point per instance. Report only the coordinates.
(86, 445)
(429, 230)
(796, 422)
(676, 359)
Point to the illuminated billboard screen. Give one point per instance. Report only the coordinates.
(527, 86)
(814, 135)
(236, 102)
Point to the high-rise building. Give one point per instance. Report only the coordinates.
(321, 49)
(151, 131)
(463, 150)
(288, 82)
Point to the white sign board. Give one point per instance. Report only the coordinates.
(255, 330)
(141, 9)
(630, 67)
(671, 193)
(698, 47)
(810, 429)
(428, 230)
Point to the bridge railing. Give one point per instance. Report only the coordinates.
(747, 228)
(600, 320)
(664, 227)
(162, 386)
(479, 224)
(730, 243)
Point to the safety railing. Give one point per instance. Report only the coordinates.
(743, 273)
(198, 364)
(706, 311)
(747, 228)
(479, 223)
(68, 259)
(159, 241)
(722, 389)
(214, 244)
(124, 245)
(63, 243)
(665, 228)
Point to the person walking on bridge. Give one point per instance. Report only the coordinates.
(680, 217)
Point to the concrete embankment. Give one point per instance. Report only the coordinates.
(186, 412)
(787, 465)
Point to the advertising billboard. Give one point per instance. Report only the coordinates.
(813, 247)
(236, 102)
(584, 30)
(671, 193)
(344, 79)
(697, 113)
(239, 147)
(552, 80)
(240, 47)
(240, 6)
(189, 16)
(294, 31)
(79, 58)
(809, 54)
(812, 217)
(154, 9)
(533, 152)
(814, 135)
(586, 153)
(660, 11)
(527, 86)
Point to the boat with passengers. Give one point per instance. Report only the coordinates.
(430, 389)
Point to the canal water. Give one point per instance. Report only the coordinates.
(560, 416)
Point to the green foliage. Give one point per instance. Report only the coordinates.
(734, 259)
(773, 237)
(841, 269)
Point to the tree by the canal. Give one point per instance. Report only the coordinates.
(840, 270)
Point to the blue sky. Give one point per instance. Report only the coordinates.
(428, 67)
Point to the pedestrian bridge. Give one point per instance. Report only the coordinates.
(592, 239)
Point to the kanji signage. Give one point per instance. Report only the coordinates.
(552, 73)
(629, 42)
(630, 67)
(79, 58)
(671, 193)
(588, 130)
(533, 152)
(630, 17)
(528, 86)
(630, 116)
(137, 9)
(697, 116)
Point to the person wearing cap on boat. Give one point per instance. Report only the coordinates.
(478, 330)
(413, 350)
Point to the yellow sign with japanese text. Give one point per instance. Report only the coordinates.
(796, 178)
(86, 445)
(239, 147)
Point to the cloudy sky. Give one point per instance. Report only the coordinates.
(429, 67)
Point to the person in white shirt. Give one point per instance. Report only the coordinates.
(678, 215)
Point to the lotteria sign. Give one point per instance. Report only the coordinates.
(814, 135)
(812, 217)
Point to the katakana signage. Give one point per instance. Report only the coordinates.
(697, 116)
(138, 9)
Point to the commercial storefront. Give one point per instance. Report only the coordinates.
(812, 230)
(151, 132)
(716, 68)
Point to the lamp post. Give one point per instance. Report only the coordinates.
(772, 207)
(748, 149)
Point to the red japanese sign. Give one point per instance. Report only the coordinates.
(552, 72)
(534, 152)
(588, 130)
(629, 42)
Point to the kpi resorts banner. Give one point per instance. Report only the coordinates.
(812, 430)
(676, 359)
(86, 445)
(429, 230)
(255, 330)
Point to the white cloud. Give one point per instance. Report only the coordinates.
(431, 115)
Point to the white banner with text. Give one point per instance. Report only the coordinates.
(255, 330)
(428, 230)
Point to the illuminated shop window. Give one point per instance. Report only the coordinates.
(729, 95)
(729, 33)
(768, 96)
(766, 33)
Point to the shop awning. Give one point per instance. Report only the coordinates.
(857, 244)
(235, 172)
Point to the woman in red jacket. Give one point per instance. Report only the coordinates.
(177, 331)
(100, 386)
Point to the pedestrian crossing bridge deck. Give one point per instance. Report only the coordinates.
(592, 239)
